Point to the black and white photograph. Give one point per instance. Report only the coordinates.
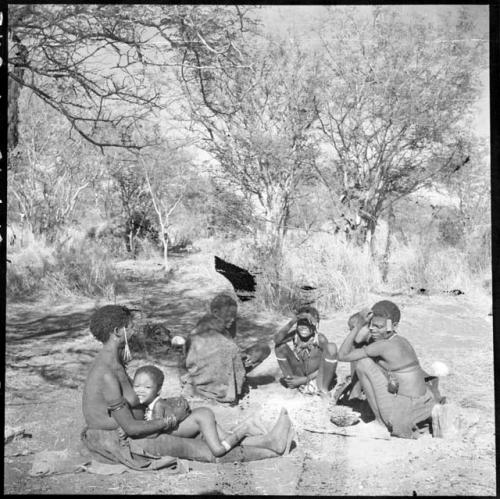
(247, 249)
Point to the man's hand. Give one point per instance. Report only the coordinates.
(293, 381)
(363, 317)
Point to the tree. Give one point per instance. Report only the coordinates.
(167, 175)
(255, 119)
(49, 170)
(395, 99)
(136, 206)
(101, 66)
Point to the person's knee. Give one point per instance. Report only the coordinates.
(331, 350)
(281, 351)
(362, 366)
(203, 415)
(265, 350)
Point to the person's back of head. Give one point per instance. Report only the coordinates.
(224, 306)
(105, 319)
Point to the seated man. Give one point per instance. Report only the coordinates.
(388, 371)
(216, 366)
(310, 356)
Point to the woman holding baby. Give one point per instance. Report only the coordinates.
(117, 430)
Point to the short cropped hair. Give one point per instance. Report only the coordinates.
(105, 319)
(387, 309)
(222, 301)
(308, 313)
(155, 373)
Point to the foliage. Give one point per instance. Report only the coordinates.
(98, 65)
(394, 106)
(49, 171)
(257, 129)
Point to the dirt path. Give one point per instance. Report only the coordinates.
(49, 349)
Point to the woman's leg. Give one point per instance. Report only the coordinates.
(374, 383)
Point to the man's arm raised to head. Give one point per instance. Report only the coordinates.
(347, 352)
(284, 334)
(121, 412)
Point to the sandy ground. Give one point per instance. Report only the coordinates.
(49, 349)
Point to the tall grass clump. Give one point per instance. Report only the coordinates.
(76, 266)
(339, 273)
(436, 268)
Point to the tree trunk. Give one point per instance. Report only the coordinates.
(387, 253)
(14, 90)
(273, 231)
(164, 242)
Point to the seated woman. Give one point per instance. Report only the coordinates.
(216, 366)
(309, 357)
(388, 371)
(117, 431)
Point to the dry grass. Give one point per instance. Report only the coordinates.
(344, 274)
(75, 266)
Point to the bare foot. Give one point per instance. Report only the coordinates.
(250, 427)
(279, 435)
(255, 427)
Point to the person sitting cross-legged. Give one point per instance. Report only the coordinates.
(309, 362)
(389, 372)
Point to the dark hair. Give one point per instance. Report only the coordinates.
(222, 301)
(154, 372)
(105, 319)
(308, 313)
(387, 309)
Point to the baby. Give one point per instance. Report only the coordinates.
(148, 381)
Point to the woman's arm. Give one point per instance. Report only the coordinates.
(122, 414)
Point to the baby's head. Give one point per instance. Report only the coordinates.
(148, 381)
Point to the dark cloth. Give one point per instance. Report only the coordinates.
(113, 447)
